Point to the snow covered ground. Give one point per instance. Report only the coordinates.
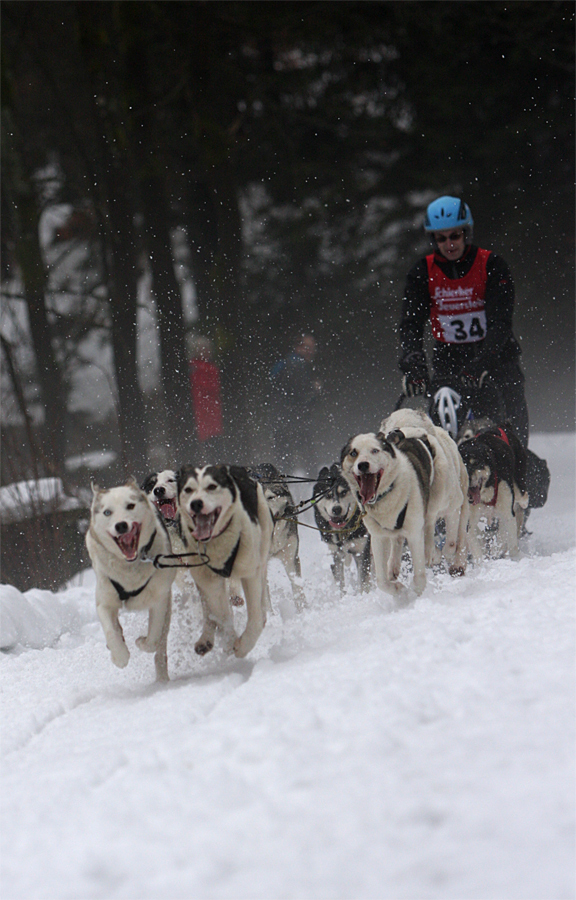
(363, 750)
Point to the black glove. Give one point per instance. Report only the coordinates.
(415, 381)
(414, 387)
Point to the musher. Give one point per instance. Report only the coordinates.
(467, 294)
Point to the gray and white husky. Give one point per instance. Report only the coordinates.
(285, 542)
(338, 518)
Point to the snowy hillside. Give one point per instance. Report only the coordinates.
(362, 751)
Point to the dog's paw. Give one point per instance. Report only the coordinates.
(457, 571)
(243, 645)
(236, 600)
(240, 648)
(120, 656)
(148, 646)
(203, 647)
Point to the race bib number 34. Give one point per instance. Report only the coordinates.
(464, 328)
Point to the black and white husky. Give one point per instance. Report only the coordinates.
(285, 543)
(162, 488)
(338, 518)
(225, 520)
(391, 482)
(125, 533)
(496, 465)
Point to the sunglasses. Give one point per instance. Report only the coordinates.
(454, 236)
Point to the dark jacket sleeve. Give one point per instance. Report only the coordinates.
(499, 306)
(415, 314)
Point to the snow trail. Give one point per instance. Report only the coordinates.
(364, 750)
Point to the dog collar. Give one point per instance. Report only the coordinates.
(126, 595)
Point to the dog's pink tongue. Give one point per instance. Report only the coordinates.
(203, 526)
(168, 509)
(367, 485)
(128, 542)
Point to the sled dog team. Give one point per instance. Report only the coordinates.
(390, 490)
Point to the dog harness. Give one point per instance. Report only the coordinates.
(125, 595)
(354, 528)
(226, 569)
(400, 519)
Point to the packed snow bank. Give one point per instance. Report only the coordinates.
(364, 749)
(36, 618)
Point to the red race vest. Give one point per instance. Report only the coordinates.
(457, 311)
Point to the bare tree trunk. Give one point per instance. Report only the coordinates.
(27, 248)
(123, 286)
(174, 372)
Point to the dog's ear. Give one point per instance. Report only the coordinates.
(149, 482)
(182, 476)
(323, 473)
(394, 437)
(131, 482)
(388, 441)
(95, 487)
(345, 450)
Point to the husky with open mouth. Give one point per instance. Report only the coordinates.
(226, 521)
(126, 532)
(339, 521)
(162, 488)
(391, 482)
(497, 489)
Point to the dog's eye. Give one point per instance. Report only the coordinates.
(187, 490)
(211, 487)
(375, 450)
(107, 512)
(130, 505)
(353, 454)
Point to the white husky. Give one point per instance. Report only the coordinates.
(125, 532)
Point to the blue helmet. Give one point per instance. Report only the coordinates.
(448, 212)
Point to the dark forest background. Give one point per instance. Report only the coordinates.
(283, 153)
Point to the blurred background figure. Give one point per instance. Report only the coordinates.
(295, 393)
(206, 388)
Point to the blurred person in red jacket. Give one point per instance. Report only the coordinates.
(206, 389)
